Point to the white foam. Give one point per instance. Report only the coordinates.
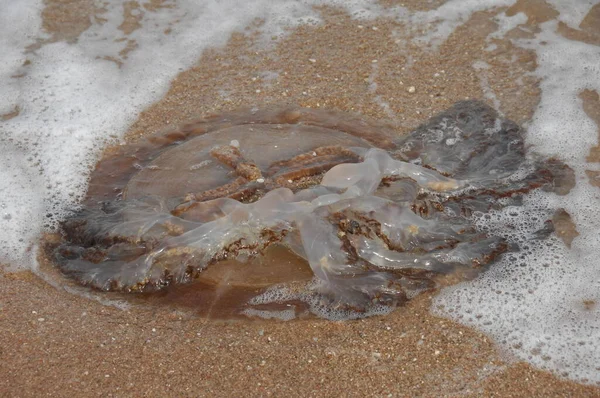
(534, 303)
(282, 315)
(442, 21)
(20, 210)
(506, 24)
(481, 67)
(572, 12)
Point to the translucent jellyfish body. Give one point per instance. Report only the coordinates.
(297, 209)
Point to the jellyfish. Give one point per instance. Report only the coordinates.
(375, 217)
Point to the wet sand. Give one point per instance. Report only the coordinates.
(56, 343)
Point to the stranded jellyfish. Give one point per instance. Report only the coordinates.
(304, 210)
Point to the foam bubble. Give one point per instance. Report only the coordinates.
(282, 315)
(20, 210)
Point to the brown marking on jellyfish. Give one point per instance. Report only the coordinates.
(328, 154)
(232, 157)
(288, 177)
(423, 206)
(220, 192)
(227, 154)
(312, 164)
(552, 175)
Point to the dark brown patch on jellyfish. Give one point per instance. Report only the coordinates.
(232, 207)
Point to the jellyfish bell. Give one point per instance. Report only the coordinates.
(251, 211)
(191, 167)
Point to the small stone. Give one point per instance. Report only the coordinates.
(260, 180)
(312, 60)
(41, 319)
(437, 352)
(412, 89)
(235, 143)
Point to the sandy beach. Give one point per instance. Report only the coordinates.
(55, 343)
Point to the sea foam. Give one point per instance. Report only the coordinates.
(543, 305)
